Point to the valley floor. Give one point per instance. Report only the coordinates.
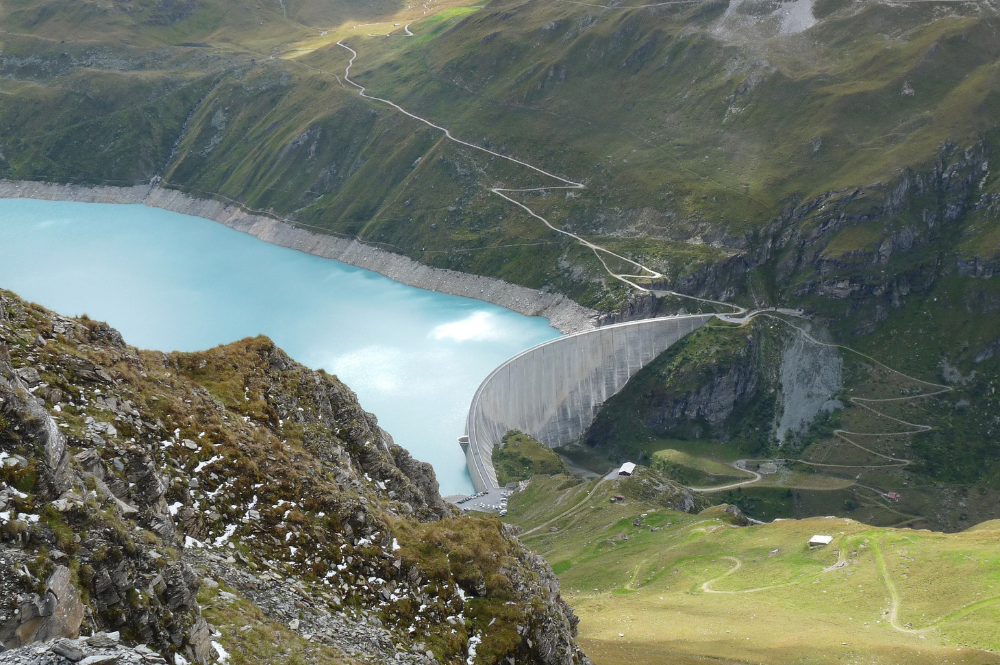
(654, 585)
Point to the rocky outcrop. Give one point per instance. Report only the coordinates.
(811, 376)
(98, 648)
(712, 402)
(706, 391)
(923, 209)
(920, 211)
(637, 305)
(132, 481)
(27, 422)
(550, 637)
(758, 384)
(116, 563)
(58, 613)
(978, 267)
(653, 486)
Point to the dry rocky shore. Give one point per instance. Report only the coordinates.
(564, 314)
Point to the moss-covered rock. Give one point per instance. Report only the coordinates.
(520, 457)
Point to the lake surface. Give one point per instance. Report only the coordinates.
(174, 282)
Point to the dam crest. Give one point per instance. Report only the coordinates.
(553, 391)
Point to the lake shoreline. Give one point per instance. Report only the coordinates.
(562, 313)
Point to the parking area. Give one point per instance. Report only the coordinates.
(493, 501)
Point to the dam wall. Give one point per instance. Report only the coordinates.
(554, 390)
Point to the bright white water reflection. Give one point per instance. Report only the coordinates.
(171, 281)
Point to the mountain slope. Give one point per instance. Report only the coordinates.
(724, 146)
(133, 484)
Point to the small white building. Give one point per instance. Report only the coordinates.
(628, 468)
(818, 541)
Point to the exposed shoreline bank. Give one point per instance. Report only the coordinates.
(562, 313)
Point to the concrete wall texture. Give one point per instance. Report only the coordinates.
(554, 390)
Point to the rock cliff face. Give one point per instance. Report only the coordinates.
(757, 383)
(693, 389)
(867, 247)
(133, 483)
(876, 247)
(98, 648)
(54, 510)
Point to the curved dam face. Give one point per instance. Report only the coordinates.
(553, 391)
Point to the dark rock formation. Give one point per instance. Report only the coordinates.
(697, 386)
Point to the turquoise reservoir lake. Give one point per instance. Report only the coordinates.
(174, 282)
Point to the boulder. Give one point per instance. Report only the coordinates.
(29, 376)
(58, 614)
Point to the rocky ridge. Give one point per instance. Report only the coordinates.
(177, 498)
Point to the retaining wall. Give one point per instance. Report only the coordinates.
(553, 391)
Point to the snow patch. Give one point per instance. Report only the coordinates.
(221, 540)
(473, 643)
(223, 654)
(202, 465)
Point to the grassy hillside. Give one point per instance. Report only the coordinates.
(693, 470)
(712, 140)
(693, 141)
(652, 585)
(521, 457)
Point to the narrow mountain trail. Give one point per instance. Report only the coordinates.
(505, 192)
(893, 593)
(841, 560)
(737, 310)
(705, 585)
(730, 486)
(909, 428)
(896, 603)
(867, 403)
(738, 314)
(568, 512)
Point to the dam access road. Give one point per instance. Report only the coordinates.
(554, 391)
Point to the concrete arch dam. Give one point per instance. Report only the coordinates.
(553, 391)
